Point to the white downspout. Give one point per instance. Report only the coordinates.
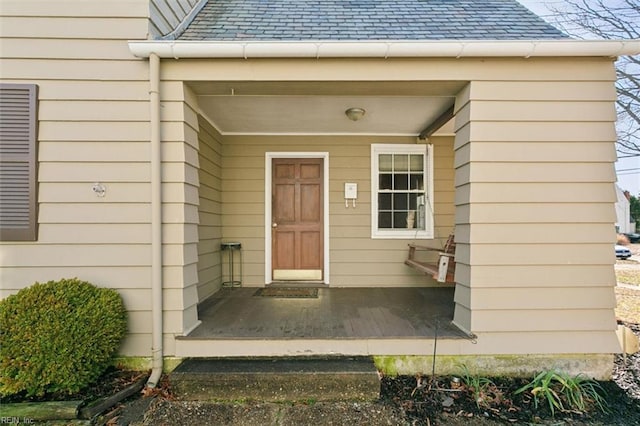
(156, 221)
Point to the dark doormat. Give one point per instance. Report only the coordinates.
(288, 292)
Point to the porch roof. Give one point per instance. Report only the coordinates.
(253, 20)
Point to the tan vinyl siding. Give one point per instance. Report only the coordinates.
(75, 8)
(545, 342)
(494, 276)
(564, 320)
(180, 186)
(562, 212)
(355, 259)
(526, 152)
(125, 276)
(209, 211)
(93, 127)
(78, 69)
(534, 207)
(82, 49)
(77, 27)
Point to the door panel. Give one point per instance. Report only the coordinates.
(284, 170)
(310, 171)
(310, 246)
(284, 250)
(297, 231)
(284, 209)
(310, 198)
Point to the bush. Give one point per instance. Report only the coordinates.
(565, 393)
(58, 337)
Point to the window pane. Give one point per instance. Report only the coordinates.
(417, 181)
(400, 201)
(417, 163)
(401, 163)
(384, 201)
(385, 181)
(401, 182)
(411, 219)
(413, 205)
(421, 210)
(385, 162)
(400, 220)
(384, 220)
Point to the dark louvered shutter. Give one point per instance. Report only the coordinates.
(18, 202)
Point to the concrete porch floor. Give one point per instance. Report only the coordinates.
(356, 321)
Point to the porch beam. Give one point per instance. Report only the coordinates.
(437, 123)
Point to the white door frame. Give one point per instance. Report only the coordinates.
(269, 156)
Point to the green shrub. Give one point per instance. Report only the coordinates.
(58, 337)
(565, 393)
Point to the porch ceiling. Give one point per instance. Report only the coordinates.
(392, 108)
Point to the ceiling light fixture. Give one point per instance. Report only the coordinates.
(355, 114)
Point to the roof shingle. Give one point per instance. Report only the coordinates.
(297, 20)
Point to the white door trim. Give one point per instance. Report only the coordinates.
(269, 156)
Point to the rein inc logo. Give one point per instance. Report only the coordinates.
(16, 420)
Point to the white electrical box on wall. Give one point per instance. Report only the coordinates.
(350, 191)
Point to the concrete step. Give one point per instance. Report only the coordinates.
(277, 379)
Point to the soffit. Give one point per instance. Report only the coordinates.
(319, 107)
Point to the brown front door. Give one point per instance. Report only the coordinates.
(297, 216)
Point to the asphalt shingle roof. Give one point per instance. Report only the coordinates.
(296, 20)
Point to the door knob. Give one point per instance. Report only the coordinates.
(275, 225)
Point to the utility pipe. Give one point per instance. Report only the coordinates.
(177, 49)
(156, 222)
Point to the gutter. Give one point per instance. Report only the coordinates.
(156, 221)
(177, 49)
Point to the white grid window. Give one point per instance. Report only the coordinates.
(401, 191)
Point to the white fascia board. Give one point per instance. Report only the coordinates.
(382, 49)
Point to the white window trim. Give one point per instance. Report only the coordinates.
(376, 150)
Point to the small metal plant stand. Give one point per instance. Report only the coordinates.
(230, 249)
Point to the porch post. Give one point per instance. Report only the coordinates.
(462, 152)
(534, 221)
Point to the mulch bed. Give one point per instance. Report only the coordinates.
(435, 401)
(427, 401)
(111, 382)
(626, 372)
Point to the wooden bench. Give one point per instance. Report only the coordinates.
(444, 270)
